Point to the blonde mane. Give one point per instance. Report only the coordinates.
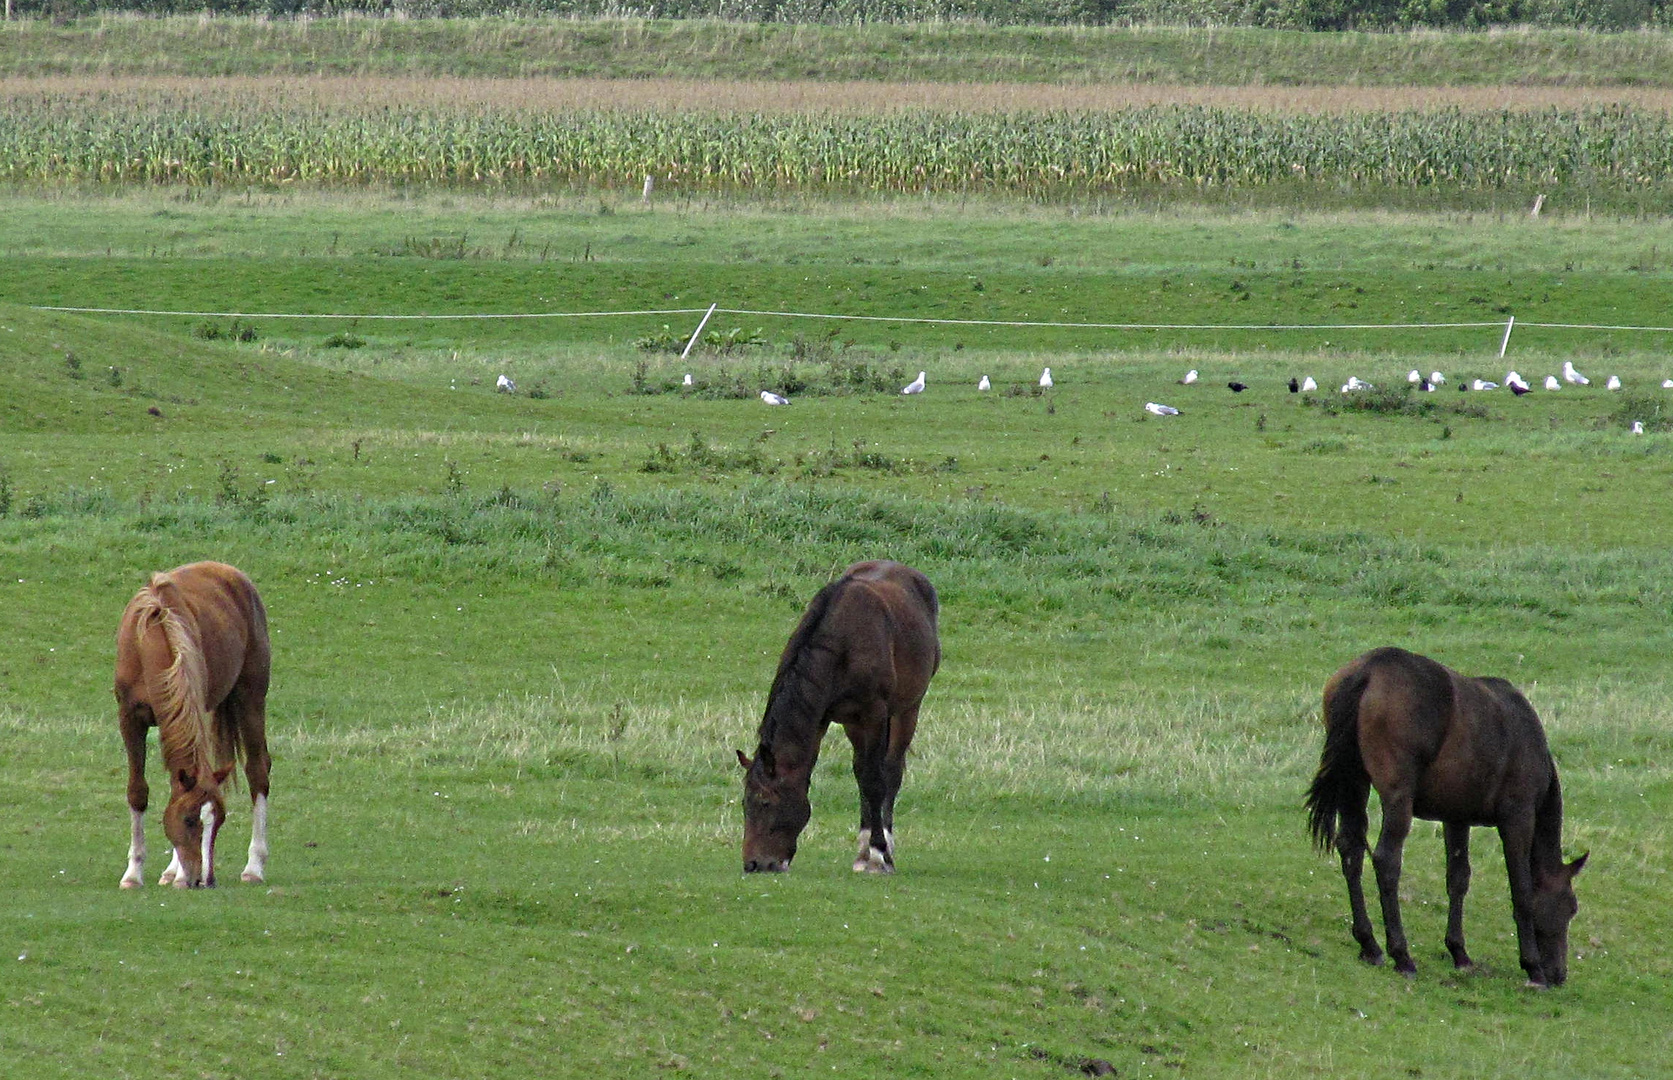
(178, 691)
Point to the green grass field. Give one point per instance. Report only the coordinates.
(518, 636)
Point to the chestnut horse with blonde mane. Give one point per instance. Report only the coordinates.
(192, 660)
(862, 656)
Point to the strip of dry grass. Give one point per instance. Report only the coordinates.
(758, 96)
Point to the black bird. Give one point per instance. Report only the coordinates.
(1295, 387)
(1236, 387)
(1462, 386)
(1518, 389)
(1425, 385)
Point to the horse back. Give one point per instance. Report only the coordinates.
(1466, 749)
(224, 615)
(887, 616)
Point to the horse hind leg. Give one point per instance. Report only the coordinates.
(1350, 844)
(1457, 885)
(1386, 859)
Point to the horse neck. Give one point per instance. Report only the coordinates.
(177, 688)
(1547, 850)
(794, 720)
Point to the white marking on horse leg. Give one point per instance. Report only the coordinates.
(255, 871)
(208, 869)
(876, 862)
(862, 861)
(133, 879)
(889, 843)
(174, 870)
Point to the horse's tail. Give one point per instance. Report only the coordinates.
(178, 690)
(1341, 777)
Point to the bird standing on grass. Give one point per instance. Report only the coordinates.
(1236, 387)
(1437, 378)
(1483, 384)
(1570, 375)
(773, 399)
(1667, 384)
(916, 386)
(1045, 379)
(687, 381)
(1295, 387)
(1414, 376)
(984, 384)
(1190, 377)
(1551, 383)
(1638, 427)
(1614, 382)
(504, 385)
(1308, 385)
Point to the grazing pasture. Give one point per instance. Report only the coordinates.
(519, 637)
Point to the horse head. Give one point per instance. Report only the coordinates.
(194, 815)
(1554, 908)
(776, 810)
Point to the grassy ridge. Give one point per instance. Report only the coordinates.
(953, 53)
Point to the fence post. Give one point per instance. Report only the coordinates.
(699, 330)
(1505, 344)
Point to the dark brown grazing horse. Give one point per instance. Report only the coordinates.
(192, 660)
(1462, 751)
(862, 657)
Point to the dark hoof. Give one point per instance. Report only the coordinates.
(1466, 964)
(1374, 957)
(1408, 968)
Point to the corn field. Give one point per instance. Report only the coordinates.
(50, 139)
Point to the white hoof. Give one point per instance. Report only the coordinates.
(875, 862)
(253, 877)
(132, 882)
(168, 877)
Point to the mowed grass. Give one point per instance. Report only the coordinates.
(512, 662)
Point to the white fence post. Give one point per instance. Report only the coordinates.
(1505, 344)
(697, 331)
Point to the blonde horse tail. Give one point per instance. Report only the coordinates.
(178, 691)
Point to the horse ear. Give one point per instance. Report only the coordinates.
(745, 762)
(186, 780)
(1578, 865)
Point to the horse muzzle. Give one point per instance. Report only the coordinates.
(766, 866)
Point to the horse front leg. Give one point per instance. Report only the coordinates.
(133, 727)
(1518, 847)
(1397, 823)
(901, 729)
(870, 742)
(1457, 836)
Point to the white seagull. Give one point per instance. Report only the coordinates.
(984, 384)
(1638, 427)
(1516, 382)
(1045, 378)
(1160, 410)
(916, 386)
(1190, 377)
(687, 379)
(504, 385)
(1614, 382)
(1355, 383)
(1667, 384)
(1570, 375)
(1483, 384)
(1308, 385)
(1551, 383)
(1414, 376)
(773, 399)
(1437, 378)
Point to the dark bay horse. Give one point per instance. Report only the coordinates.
(1462, 751)
(862, 657)
(192, 659)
